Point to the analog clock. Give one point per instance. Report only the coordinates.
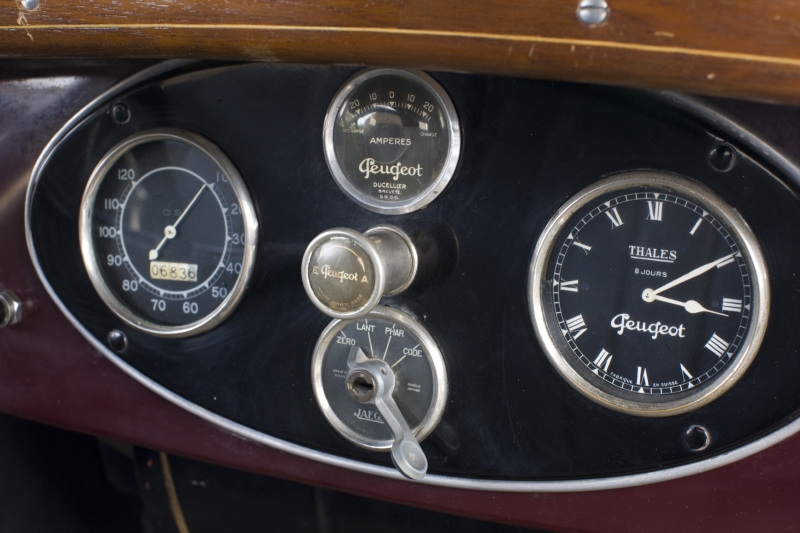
(649, 294)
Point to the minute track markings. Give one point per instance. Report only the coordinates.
(570, 276)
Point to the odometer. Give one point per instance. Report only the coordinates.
(168, 233)
(649, 294)
(392, 140)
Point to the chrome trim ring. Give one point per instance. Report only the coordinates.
(445, 174)
(90, 260)
(556, 348)
(435, 358)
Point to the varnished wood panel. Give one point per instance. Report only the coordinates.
(742, 48)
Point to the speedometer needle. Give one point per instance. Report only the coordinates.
(171, 231)
(691, 306)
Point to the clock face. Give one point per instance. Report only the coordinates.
(649, 293)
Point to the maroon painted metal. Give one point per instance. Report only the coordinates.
(49, 373)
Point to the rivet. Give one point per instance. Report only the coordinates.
(120, 113)
(10, 309)
(30, 5)
(722, 157)
(117, 340)
(593, 12)
(697, 438)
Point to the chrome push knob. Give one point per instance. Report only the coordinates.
(346, 273)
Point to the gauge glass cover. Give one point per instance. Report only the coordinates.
(649, 294)
(421, 381)
(392, 140)
(168, 233)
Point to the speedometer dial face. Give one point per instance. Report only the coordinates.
(649, 294)
(168, 233)
(392, 140)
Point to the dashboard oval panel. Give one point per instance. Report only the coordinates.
(510, 419)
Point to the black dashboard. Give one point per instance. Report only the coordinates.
(527, 147)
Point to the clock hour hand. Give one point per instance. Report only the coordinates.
(691, 306)
(686, 277)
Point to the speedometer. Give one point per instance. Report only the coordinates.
(168, 233)
(392, 140)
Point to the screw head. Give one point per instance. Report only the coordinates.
(722, 157)
(10, 309)
(117, 340)
(120, 113)
(697, 438)
(30, 5)
(593, 12)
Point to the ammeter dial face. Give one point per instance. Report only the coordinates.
(414, 357)
(649, 294)
(392, 140)
(168, 233)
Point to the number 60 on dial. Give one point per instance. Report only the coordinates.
(168, 233)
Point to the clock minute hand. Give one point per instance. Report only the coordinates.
(693, 274)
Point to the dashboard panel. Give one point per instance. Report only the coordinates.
(511, 422)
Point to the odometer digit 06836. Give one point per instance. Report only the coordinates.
(168, 233)
(649, 294)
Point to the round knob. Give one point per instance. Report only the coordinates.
(346, 273)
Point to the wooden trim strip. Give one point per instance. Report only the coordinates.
(428, 33)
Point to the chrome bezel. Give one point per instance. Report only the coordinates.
(90, 260)
(435, 358)
(556, 348)
(445, 174)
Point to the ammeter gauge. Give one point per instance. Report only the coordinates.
(168, 233)
(649, 293)
(381, 383)
(392, 140)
